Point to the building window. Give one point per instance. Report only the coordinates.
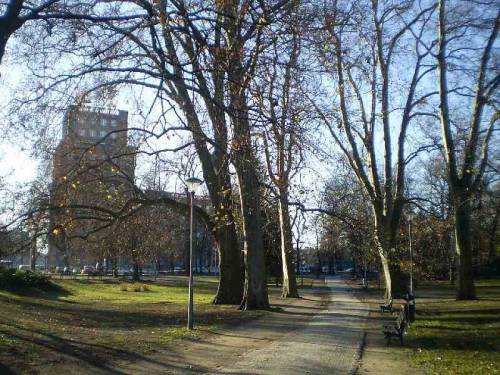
(104, 122)
(81, 132)
(92, 133)
(114, 123)
(103, 133)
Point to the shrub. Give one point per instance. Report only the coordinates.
(11, 278)
(134, 288)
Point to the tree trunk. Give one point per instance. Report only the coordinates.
(289, 288)
(384, 261)
(463, 248)
(395, 280)
(230, 290)
(255, 291)
(33, 255)
(136, 276)
(492, 235)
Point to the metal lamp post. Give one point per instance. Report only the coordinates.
(192, 183)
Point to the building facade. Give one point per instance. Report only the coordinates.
(93, 174)
(93, 169)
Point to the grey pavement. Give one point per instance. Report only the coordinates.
(328, 344)
(317, 334)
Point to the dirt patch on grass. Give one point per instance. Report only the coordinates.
(212, 349)
(90, 323)
(91, 329)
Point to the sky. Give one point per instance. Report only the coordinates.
(16, 166)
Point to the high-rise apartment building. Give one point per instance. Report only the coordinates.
(93, 166)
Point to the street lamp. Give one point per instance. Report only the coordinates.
(192, 183)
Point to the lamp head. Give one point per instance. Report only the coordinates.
(193, 183)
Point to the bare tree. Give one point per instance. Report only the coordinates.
(17, 13)
(199, 59)
(278, 101)
(363, 45)
(462, 40)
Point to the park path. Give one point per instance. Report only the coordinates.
(319, 333)
(328, 344)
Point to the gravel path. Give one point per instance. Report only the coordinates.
(319, 333)
(327, 344)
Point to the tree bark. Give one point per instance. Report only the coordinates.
(289, 287)
(492, 235)
(463, 248)
(136, 276)
(33, 255)
(255, 291)
(384, 261)
(10, 22)
(230, 290)
(395, 280)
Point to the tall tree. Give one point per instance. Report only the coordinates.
(467, 29)
(364, 45)
(278, 98)
(198, 58)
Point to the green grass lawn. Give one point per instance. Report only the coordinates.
(97, 320)
(457, 337)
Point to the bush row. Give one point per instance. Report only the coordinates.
(12, 278)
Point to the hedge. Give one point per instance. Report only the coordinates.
(12, 278)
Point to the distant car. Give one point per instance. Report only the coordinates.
(349, 270)
(178, 269)
(24, 267)
(88, 270)
(305, 270)
(123, 271)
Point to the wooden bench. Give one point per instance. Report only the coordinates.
(397, 329)
(387, 306)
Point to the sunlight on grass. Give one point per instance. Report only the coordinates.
(89, 291)
(38, 326)
(457, 337)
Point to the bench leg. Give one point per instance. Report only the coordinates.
(388, 337)
(401, 338)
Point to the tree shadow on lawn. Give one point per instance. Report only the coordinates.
(50, 292)
(466, 320)
(438, 340)
(466, 310)
(5, 370)
(96, 355)
(456, 329)
(115, 315)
